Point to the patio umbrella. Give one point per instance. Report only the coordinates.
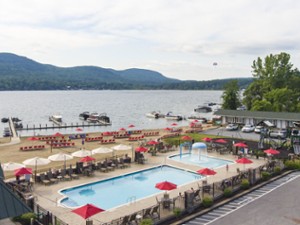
(141, 149)
(122, 129)
(81, 153)
(220, 141)
(61, 157)
(101, 150)
(87, 211)
(22, 171)
(79, 129)
(174, 124)
(33, 139)
(57, 135)
(121, 147)
(206, 172)
(87, 159)
(207, 139)
(10, 166)
(131, 126)
(166, 186)
(152, 142)
(36, 161)
(168, 129)
(241, 145)
(272, 151)
(244, 161)
(186, 138)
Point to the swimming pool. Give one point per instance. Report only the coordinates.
(204, 161)
(120, 190)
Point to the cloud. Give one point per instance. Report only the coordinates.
(133, 32)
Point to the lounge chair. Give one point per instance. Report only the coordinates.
(72, 175)
(51, 178)
(125, 220)
(44, 180)
(132, 219)
(147, 213)
(155, 214)
(64, 175)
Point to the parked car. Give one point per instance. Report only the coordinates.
(248, 128)
(232, 126)
(278, 134)
(258, 129)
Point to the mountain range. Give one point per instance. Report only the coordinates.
(21, 73)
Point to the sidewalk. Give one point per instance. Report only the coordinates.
(8, 222)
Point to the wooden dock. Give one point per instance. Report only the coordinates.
(62, 126)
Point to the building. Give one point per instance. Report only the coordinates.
(281, 120)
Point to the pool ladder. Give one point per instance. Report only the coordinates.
(131, 199)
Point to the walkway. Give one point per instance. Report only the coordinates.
(14, 138)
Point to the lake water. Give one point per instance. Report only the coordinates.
(123, 107)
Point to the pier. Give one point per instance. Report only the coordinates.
(62, 125)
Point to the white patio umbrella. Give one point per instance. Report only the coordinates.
(82, 153)
(101, 150)
(60, 157)
(121, 147)
(11, 166)
(36, 161)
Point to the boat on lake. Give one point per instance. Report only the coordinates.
(155, 114)
(196, 118)
(84, 115)
(56, 118)
(95, 117)
(171, 116)
(203, 109)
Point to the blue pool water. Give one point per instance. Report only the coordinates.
(203, 161)
(120, 190)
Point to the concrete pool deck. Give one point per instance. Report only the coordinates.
(48, 196)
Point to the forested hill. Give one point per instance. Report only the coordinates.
(21, 73)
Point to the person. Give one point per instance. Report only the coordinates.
(227, 167)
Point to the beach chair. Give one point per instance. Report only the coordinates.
(72, 175)
(125, 220)
(64, 175)
(44, 180)
(132, 219)
(147, 213)
(155, 213)
(51, 178)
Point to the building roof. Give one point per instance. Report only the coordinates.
(11, 205)
(259, 114)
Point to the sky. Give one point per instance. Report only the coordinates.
(182, 39)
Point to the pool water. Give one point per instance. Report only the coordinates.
(203, 160)
(120, 190)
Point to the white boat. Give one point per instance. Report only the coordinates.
(171, 116)
(155, 114)
(98, 118)
(203, 109)
(56, 118)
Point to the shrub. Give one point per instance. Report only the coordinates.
(207, 201)
(177, 212)
(277, 170)
(265, 175)
(245, 184)
(146, 222)
(25, 218)
(227, 192)
(292, 164)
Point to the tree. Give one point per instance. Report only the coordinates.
(231, 99)
(275, 86)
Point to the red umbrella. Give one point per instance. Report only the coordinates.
(152, 142)
(79, 129)
(174, 124)
(168, 129)
(33, 138)
(186, 138)
(240, 144)
(122, 129)
(206, 172)
(23, 171)
(87, 159)
(272, 151)
(166, 186)
(221, 141)
(57, 134)
(131, 126)
(195, 121)
(244, 161)
(207, 139)
(107, 133)
(141, 149)
(87, 211)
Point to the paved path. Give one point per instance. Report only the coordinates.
(14, 138)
